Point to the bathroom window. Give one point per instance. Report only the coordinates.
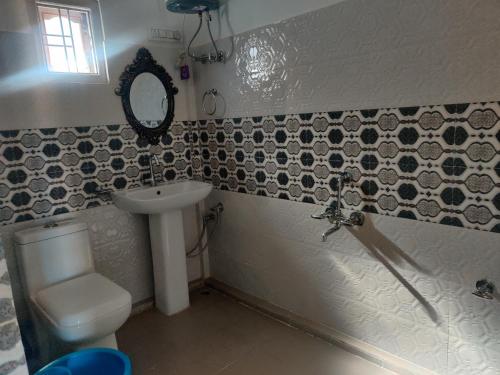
(72, 40)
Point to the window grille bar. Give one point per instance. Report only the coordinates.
(59, 6)
(87, 48)
(72, 40)
(64, 41)
(92, 43)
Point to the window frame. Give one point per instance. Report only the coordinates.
(98, 39)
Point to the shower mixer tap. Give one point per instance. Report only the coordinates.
(334, 213)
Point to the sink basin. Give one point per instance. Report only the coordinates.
(164, 204)
(161, 198)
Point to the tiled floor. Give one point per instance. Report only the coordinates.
(218, 335)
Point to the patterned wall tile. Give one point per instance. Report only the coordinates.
(475, 177)
(45, 172)
(436, 163)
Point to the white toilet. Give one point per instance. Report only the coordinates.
(81, 307)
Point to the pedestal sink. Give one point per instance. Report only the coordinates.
(163, 204)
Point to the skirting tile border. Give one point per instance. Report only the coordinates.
(328, 334)
(149, 303)
(435, 163)
(196, 285)
(142, 306)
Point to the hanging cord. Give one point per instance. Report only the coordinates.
(194, 37)
(214, 215)
(219, 55)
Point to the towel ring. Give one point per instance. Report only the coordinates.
(212, 93)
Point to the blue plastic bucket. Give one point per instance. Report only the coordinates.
(99, 361)
(56, 370)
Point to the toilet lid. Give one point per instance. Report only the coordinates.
(82, 299)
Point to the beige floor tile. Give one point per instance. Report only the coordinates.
(218, 335)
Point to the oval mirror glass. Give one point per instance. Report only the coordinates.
(148, 99)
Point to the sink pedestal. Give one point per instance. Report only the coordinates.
(169, 262)
(163, 203)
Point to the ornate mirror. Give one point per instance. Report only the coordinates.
(147, 96)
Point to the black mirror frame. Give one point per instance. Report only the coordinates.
(144, 63)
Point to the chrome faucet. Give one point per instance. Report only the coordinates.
(336, 227)
(153, 159)
(484, 289)
(334, 213)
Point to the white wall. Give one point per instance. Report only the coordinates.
(121, 251)
(15, 16)
(237, 16)
(403, 286)
(12, 358)
(120, 241)
(25, 102)
(361, 54)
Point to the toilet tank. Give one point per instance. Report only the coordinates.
(53, 253)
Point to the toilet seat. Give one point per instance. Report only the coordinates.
(84, 308)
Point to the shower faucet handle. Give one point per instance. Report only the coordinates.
(357, 218)
(329, 213)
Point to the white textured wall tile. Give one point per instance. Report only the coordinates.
(391, 283)
(120, 246)
(361, 54)
(402, 286)
(12, 357)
